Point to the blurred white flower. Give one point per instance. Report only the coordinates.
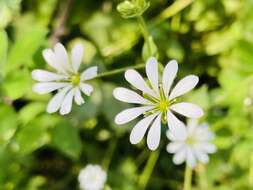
(92, 177)
(191, 143)
(157, 101)
(247, 101)
(67, 80)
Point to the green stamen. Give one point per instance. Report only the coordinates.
(162, 104)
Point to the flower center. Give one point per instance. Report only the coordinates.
(163, 105)
(190, 140)
(75, 79)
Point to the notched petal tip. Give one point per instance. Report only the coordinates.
(58, 44)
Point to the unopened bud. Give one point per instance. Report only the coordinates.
(134, 8)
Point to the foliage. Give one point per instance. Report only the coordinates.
(210, 38)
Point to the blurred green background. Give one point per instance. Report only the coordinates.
(210, 38)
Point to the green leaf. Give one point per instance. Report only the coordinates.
(30, 111)
(240, 154)
(8, 8)
(3, 50)
(220, 41)
(26, 45)
(200, 97)
(17, 84)
(8, 123)
(67, 140)
(114, 36)
(32, 136)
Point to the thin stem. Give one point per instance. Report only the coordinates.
(109, 154)
(117, 71)
(144, 178)
(63, 14)
(145, 33)
(251, 171)
(187, 178)
(202, 181)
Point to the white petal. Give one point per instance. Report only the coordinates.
(78, 97)
(174, 147)
(55, 103)
(187, 109)
(201, 156)
(184, 85)
(140, 129)
(154, 134)
(129, 96)
(169, 74)
(203, 134)
(135, 79)
(77, 56)
(86, 88)
(206, 147)
(89, 73)
(46, 76)
(67, 102)
(180, 156)
(176, 127)
(152, 73)
(51, 59)
(129, 114)
(62, 56)
(46, 87)
(190, 158)
(192, 125)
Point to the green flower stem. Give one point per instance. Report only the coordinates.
(187, 178)
(144, 177)
(202, 180)
(251, 171)
(117, 71)
(109, 154)
(145, 33)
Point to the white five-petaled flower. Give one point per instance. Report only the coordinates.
(92, 177)
(67, 80)
(191, 143)
(157, 102)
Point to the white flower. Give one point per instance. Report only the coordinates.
(67, 80)
(191, 143)
(158, 102)
(247, 101)
(92, 177)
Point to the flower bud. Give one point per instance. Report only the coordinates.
(134, 8)
(149, 50)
